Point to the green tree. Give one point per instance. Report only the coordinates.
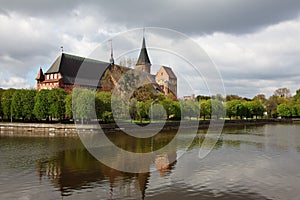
(28, 103)
(235, 108)
(57, 107)
(143, 109)
(168, 105)
(41, 106)
(202, 97)
(217, 108)
(103, 106)
(295, 108)
(190, 109)
(157, 111)
(297, 95)
(83, 104)
(284, 110)
(261, 98)
(254, 108)
(174, 111)
(1, 110)
(272, 104)
(17, 104)
(205, 108)
(6, 100)
(133, 109)
(68, 106)
(231, 97)
(22, 104)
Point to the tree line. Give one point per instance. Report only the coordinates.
(56, 104)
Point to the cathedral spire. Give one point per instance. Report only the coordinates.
(143, 61)
(111, 60)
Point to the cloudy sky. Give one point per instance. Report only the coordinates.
(254, 44)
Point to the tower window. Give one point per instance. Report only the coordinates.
(161, 73)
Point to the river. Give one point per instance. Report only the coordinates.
(255, 162)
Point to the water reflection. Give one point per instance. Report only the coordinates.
(247, 163)
(76, 169)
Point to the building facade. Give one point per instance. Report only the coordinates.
(167, 80)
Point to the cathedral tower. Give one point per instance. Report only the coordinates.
(143, 62)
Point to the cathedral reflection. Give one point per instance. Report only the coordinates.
(76, 169)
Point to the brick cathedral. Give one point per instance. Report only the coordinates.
(63, 71)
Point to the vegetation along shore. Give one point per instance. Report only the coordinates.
(46, 106)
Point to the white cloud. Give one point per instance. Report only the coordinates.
(13, 82)
(254, 63)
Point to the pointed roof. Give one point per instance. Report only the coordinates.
(68, 66)
(40, 76)
(143, 58)
(169, 72)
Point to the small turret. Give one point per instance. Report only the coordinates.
(40, 77)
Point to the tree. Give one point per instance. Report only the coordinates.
(202, 97)
(217, 108)
(167, 104)
(190, 109)
(282, 92)
(295, 108)
(68, 106)
(231, 97)
(83, 104)
(1, 110)
(272, 104)
(235, 108)
(22, 104)
(6, 102)
(261, 98)
(296, 97)
(157, 111)
(284, 110)
(174, 111)
(218, 97)
(257, 108)
(103, 106)
(41, 106)
(57, 103)
(144, 93)
(143, 109)
(17, 104)
(28, 103)
(133, 109)
(205, 109)
(127, 62)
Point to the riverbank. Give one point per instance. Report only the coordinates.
(70, 130)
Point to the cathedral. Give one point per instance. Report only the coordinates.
(63, 72)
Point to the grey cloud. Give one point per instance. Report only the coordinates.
(192, 17)
(4, 12)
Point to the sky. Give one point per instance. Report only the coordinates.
(254, 44)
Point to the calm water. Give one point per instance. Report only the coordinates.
(247, 163)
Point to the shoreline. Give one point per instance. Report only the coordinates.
(69, 130)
